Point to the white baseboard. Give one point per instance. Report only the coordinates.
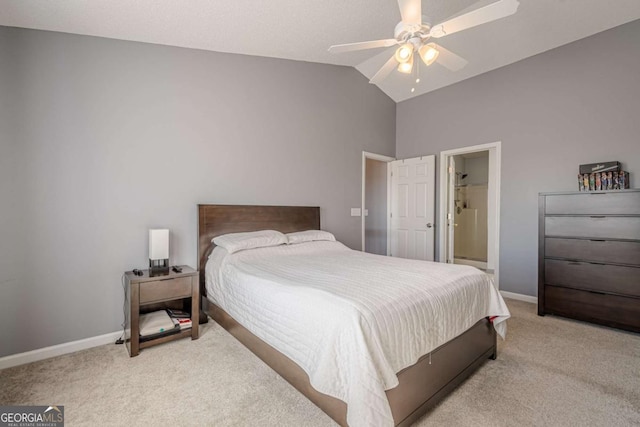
(520, 297)
(57, 350)
(482, 265)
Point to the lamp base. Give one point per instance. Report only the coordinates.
(158, 267)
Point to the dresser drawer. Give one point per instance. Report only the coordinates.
(608, 310)
(596, 277)
(593, 250)
(163, 290)
(613, 203)
(593, 226)
(611, 310)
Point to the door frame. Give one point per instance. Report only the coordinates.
(382, 158)
(495, 161)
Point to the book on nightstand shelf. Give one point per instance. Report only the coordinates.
(181, 319)
(155, 325)
(178, 314)
(182, 323)
(172, 331)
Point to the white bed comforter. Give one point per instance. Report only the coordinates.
(351, 320)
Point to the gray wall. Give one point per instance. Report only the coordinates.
(575, 104)
(477, 170)
(375, 232)
(112, 138)
(12, 242)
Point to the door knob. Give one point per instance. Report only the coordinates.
(429, 225)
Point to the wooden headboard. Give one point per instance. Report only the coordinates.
(215, 220)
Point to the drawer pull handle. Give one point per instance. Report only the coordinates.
(597, 293)
(597, 240)
(596, 263)
(598, 216)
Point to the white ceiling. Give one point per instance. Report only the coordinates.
(303, 31)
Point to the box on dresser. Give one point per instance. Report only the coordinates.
(600, 167)
(589, 257)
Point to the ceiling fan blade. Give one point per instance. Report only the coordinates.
(411, 11)
(450, 60)
(497, 10)
(384, 71)
(350, 47)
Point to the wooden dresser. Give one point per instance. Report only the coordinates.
(589, 257)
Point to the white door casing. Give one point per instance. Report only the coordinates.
(493, 205)
(412, 213)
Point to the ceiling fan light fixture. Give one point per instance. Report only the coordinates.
(404, 53)
(428, 53)
(414, 31)
(406, 67)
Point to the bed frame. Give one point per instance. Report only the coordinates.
(421, 386)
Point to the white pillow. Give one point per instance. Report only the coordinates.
(235, 242)
(310, 236)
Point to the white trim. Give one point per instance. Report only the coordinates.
(58, 350)
(520, 297)
(382, 158)
(493, 148)
(389, 170)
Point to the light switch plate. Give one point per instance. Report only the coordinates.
(366, 212)
(355, 212)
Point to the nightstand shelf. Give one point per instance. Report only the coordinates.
(144, 293)
(183, 334)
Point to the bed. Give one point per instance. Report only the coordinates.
(419, 386)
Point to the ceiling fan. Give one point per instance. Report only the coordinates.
(414, 35)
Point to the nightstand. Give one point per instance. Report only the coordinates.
(144, 294)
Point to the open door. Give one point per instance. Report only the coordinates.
(451, 217)
(376, 193)
(412, 213)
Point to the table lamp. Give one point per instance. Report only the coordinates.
(158, 252)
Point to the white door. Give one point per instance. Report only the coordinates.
(413, 208)
(451, 218)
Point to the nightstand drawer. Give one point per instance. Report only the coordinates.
(163, 290)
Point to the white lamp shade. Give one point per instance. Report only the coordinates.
(406, 67)
(404, 53)
(429, 53)
(158, 244)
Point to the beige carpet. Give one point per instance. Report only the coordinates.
(549, 372)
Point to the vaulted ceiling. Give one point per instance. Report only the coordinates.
(303, 31)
